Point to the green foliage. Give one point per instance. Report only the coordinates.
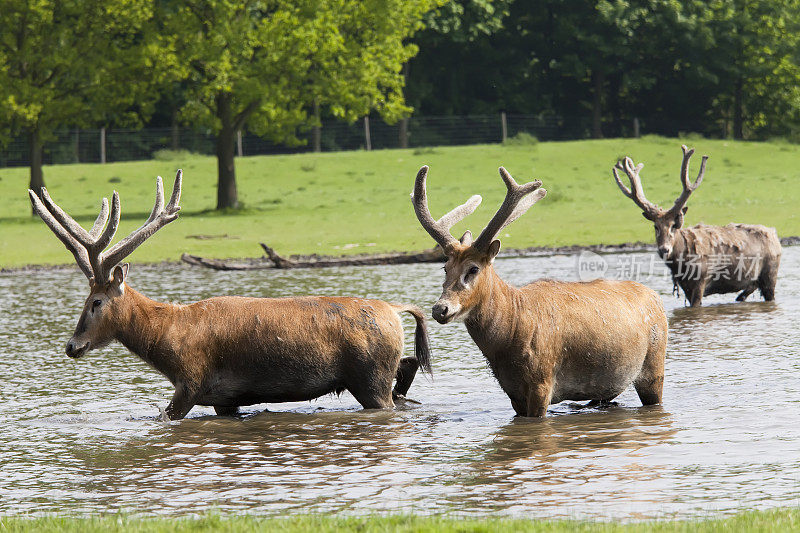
(263, 65)
(522, 138)
(166, 154)
(726, 66)
(76, 63)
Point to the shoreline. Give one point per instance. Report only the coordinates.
(532, 251)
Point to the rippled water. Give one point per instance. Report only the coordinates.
(84, 436)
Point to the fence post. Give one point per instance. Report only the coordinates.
(366, 133)
(636, 127)
(103, 145)
(239, 143)
(504, 125)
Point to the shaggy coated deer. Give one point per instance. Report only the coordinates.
(550, 340)
(231, 351)
(706, 259)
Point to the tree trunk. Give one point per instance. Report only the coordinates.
(176, 140)
(738, 112)
(35, 156)
(226, 171)
(403, 133)
(316, 131)
(598, 80)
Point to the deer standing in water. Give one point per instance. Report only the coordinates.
(706, 259)
(550, 340)
(231, 351)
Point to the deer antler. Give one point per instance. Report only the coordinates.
(688, 187)
(88, 246)
(439, 229)
(519, 198)
(635, 193)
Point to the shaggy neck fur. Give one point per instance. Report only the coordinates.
(495, 306)
(144, 327)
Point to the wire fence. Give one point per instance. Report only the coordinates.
(111, 145)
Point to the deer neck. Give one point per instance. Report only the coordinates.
(493, 319)
(680, 247)
(144, 328)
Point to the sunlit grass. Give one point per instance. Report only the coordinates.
(754, 521)
(350, 202)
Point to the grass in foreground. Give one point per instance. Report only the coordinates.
(754, 521)
(349, 202)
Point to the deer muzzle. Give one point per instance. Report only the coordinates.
(444, 311)
(75, 350)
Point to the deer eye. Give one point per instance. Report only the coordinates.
(471, 272)
(95, 304)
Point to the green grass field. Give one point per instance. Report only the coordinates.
(351, 202)
(763, 521)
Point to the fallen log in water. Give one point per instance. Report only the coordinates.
(273, 260)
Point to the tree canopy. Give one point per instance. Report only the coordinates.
(73, 63)
(262, 65)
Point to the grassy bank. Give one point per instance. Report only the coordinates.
(777, 520)
(359, 201)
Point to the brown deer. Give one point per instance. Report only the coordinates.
(705, 259)
(551, 340)
(231, 351)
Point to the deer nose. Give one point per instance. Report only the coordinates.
(663, 251)
(75, 351)
(440, 311)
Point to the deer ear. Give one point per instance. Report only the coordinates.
(685, 209)
(494, 249)
(647, 216)
(466, 239)
(120, 274)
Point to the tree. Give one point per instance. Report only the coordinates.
(755, 57)
(72, 63)
(262, 65)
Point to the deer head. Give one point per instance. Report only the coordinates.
(666, 221)
(469, 262)
(96, 325)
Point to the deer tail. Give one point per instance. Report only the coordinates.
(422, 349)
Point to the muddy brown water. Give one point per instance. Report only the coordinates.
(84, 436)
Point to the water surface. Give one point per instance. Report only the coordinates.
(84, 436)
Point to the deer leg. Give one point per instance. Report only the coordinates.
(744, 294)
(405, 375)
(181, 403)
(649, 384)
(226, 410)
(371, 388)
(371, 399)
(520, 407)
(766, 283)
(539, 398)
(696, 295)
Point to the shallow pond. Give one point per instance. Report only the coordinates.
(84, 436)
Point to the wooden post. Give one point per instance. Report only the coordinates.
(103, 145)
(239, 143)
(366, 133)
(636, 132)
(504, 125)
